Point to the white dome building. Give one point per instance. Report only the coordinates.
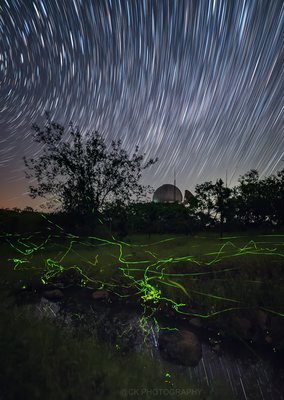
(167, 194)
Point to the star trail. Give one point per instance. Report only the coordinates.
(198, 84)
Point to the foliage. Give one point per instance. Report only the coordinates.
(212, 202)
(205, 197)
(260, 201)
(40, 360)
(162, 218)
(80, 173)
(254, 202)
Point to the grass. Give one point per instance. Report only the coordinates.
(205, 271)
(41, 360)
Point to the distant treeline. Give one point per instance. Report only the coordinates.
(253, 204)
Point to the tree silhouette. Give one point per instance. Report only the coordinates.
(80, 172)
(205, 202)
(221, 204)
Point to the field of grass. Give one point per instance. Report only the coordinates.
(203, 271)
(200, 274)
(39, 360)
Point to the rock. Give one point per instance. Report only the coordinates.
(215, 344)
(216, 348)
(262, 320)
(181, 347)
(53, 295)
(243, 327)
(268, 339)
(100, 295)
(195, 321)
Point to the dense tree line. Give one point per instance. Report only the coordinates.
(97, 188)
(252, 204)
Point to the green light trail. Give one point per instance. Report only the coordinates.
(149, 274)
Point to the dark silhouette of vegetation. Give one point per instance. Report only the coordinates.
(222, 202)
(80, 173)
(162, 218)
(212, 203)
(260, 201)
(99, 192)
(253, 203)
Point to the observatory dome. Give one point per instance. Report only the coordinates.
(167, 194)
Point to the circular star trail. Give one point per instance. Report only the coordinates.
(198, 84)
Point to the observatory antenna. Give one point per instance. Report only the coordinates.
(174, 185)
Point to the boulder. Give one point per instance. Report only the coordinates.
(181, 347)
(53, 295)
(195, 321)
(243, 327)
(100, 295)
(268, 339)
(263, 320)
(216, 348)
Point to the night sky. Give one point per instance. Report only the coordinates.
(198, 84)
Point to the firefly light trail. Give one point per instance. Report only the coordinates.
(197, 83)
(149, 280)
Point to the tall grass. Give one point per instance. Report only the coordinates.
(40, 360)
